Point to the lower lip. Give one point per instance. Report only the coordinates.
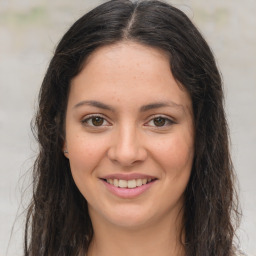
(128, 192)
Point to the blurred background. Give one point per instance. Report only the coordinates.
(29, 32)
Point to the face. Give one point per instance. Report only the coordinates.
(129, 135)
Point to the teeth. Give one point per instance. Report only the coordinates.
(131, 183)
(110, 181)
(123, 183)
(144, 181)
(128, 183)
(116, 183)
(138, 182)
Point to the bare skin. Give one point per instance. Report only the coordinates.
(127, 115)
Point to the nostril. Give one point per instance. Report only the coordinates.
(126, 153)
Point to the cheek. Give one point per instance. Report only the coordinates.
(176, 154)
(85, 153)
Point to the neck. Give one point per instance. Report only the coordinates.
(151, 240)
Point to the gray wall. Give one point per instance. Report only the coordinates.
(29, 31)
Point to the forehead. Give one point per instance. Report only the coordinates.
(128, 70)
(124, 48)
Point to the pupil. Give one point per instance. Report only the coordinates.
(97, 121)
(159, 121)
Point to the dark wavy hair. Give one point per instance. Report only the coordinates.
(58, 223)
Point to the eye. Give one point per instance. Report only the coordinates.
(160, 121)
(95, 121)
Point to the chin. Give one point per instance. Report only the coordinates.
(130, 217)
(122, 216)
(131, 223)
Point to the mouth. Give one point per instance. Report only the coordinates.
(130, 184)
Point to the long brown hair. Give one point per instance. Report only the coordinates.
(57, 221)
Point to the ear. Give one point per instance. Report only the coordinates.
(65, 149)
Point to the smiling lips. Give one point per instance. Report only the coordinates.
(128, 185)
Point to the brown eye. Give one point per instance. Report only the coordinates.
(97, 121)
(159, 121)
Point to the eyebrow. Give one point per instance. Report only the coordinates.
(94, 103)
(144, 108)
(160, 105)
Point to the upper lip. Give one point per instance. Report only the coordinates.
(128, 176)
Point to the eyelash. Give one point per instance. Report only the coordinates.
(168, 121)
(85, 121)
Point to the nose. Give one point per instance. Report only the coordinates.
(127, 147)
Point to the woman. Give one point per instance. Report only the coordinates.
(134, 153)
